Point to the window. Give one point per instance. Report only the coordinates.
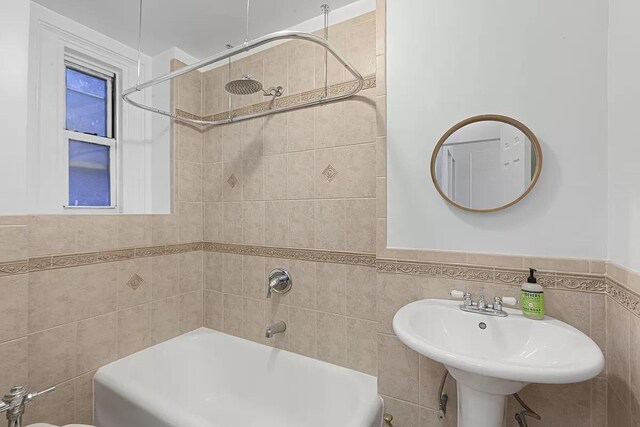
(90, 136)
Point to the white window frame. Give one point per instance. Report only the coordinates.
(111, 139)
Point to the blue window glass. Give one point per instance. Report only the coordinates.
(89, 174)
(87, 103)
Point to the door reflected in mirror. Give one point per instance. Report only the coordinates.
(486, 163)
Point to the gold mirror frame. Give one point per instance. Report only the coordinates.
(485, 118)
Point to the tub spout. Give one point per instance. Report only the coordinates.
(276, 328)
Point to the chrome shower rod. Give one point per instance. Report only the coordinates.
(245, 47)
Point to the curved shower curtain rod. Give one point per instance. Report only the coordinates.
(245, 47)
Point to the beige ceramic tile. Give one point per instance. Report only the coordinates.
(213, 182)
(381, 236)
(134, 230)
(57, 408)
(52, 356)
(275, 177)
(191, 314)
(561, 404)
(96, 342)
(397, 369)
(254, 277)
(276, 225)
(232, 142)
(381, 113)
(275, 70)
(50, 235)
(634, 281)
(191, 271)
(598, 320)
(15, 240)
(165, 276)
(213, 310)
(164, 319)
(634, 360)
(164, 229)
(381, 157)
(381, 75)
(331, 288)
(303, 293)
(83, 396)
(599, 402)
(190, 222)
(381, 26)
(213, 145)
(330, 125)
(14, 307)
(570, 307)
(96, 232)
(568, 265)
(189, 181)
(336, 72)
(302, 331)
(213, 271)
(360, 116)
(330, 224)
(355, 172)
(134, 329)
(361, 46)
(362, 346)
(300, 179)
(597, 266)
(274, 312)
(618, 350)
(302, 224)
(135, 280)
(232, 177)
(254, 325)
(189, 89)
(275, 134)
(232, 274)
(213, 92)
(233, 315)
(13, 363)
(381, 197)
(361, 225)
(494, 260)
(253, 179)
(301, 64)
(253, 140)
(332, 338)
(617, 413)
(253, 223)
(404, 414)
(394, 292)
(431, 373)
(618, 273)
(361, 292)
(232, 222)
(213, 225)
(189, 142)
(301, 124)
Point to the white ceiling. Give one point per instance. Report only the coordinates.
(199, 27)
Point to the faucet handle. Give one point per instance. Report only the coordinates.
(18, 396)
(509, 300)
(456, 294)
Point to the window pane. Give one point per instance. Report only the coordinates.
(89, 174)
(86, 103)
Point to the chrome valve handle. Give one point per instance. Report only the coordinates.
(279, 282)
(13, 403)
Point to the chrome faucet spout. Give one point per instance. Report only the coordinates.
(276, 328)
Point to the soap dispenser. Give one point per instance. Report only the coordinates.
(532, 297)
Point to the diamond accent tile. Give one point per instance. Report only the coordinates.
(135, 282)
(329, 173)
(232, 181)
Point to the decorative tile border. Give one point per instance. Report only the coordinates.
(623, 296)
(287, 101)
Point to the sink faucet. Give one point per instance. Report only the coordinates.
(481, 307)
(13, 403)
(276, 328)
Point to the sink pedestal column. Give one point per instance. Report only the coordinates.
(481, 400)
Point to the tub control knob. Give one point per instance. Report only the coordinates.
(279, 282)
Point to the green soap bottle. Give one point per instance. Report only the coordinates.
(532, 297)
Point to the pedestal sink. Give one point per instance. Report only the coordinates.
(493, 357)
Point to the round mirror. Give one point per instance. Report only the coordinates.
(486, 163)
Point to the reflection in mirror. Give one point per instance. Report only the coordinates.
(486, 163)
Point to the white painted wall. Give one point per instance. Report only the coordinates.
(543, 63)
(624, 136)
(14, 45)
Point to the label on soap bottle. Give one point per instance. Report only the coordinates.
(533, 304)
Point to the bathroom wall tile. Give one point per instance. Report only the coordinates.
(50, 235)
(232, 274)
(232, 142)
(253, 179)
(361, 225)
(381, 156)
(134, 231)
(134, 329)
(69, 294)
(332, 338)
(507, 261)
(253, 223)
(275, 177)
(254, 277)
(189, 90)
(212, 87)
(303, 293)
(253, 141)
(253, 67)
(302, 331)
(330, 120)
(404, 414)
(617, 413)
(557, 404)
(381, 75)
(570, 307)
(634, 281)
(618, 350)
(569, 265)
(232, 222)
(232, 176)
(164, 229)
(331, 288)
(361, 292)
(274, 312)
(618, 273)
(275, 134)
(301, 64)
(381, 236)
(634, 360)
(360, 115)
(14, 307)
(598, 320)
(191, 314)
(330, 224)
(213, 222)
(430, 418)
(96, 233)
(189, 142)
(164, 319)
(15, 239)
(165, 274)
(597, 266)
(13, 363)
(300, 179)
(52, 356)
(356, 174)
(362, 346)
(381, 197)
(131, 290)
(301, 124)
(302, 224)
(276, 227)
(275, 69)
(394, 291)
(213, 310)
(599, 402)
(57, 407)
(397, 369)
(213, 271)
(213, 145)
(254, 323)
(83, 397)
(431, 373)
(233, 315)
(191, 271)
(336, 72)
(381, 26)
(361, 46)
(96, 342)
(213, 182)
(190, 222)
(381, 114)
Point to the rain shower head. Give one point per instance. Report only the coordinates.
(243, 86)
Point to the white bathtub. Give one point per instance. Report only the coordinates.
(210, 379)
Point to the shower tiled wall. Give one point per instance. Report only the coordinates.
(80, 291)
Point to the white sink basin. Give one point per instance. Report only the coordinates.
(491, 357)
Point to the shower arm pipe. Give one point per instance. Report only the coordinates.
(245, 47)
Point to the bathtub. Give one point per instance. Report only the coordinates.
(207, 378)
